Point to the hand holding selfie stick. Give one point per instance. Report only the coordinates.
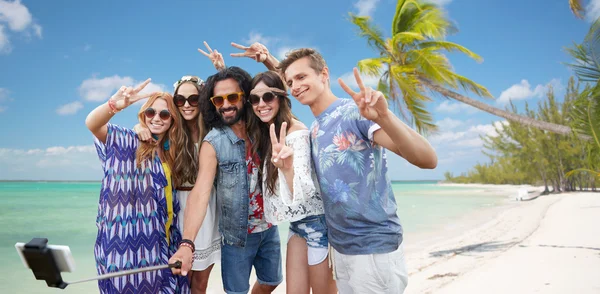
(41, 261)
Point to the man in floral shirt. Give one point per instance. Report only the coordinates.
(349, 138)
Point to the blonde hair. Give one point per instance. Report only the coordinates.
(145, 150)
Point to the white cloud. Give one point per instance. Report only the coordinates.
(592, 10)
(350, 80)
(19, 19)
(455, 107)
(95, 89)
(278, 47)
(254, 37)
(365, 7)
(440, 2)
(5, 46)
(53, 163)
(280, 54)
(523, 90)
(282, 50)
(4, 97)
(69, 108)
(469, 137)
(449, 124)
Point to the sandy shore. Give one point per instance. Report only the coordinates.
(548, 245)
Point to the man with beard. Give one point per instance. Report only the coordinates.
(226, 159)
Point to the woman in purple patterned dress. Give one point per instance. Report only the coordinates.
(137, 213)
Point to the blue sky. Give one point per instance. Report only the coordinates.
(60, 59)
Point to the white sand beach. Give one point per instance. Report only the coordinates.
(547, 245)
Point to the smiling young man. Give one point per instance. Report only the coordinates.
(226, 159)
(349, 139)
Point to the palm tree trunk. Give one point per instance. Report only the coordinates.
(542, 125)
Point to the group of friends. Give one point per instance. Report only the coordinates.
(210, 171)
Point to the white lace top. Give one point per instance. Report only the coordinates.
(306, 199)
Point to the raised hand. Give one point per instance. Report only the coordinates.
(215, 57)
(371, 103)
(256, 51)
(282, 155)
(129, 95)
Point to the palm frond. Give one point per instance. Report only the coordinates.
(587, 55)
(586, 114)
(372, 66)
(431, 21)
(405, 10)
(370, 32)
(432, 64)
(469, 85)
(577, 8)
(404, 38)
(450, 47)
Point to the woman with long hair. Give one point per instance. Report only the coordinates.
(291, 190)
(137, 214)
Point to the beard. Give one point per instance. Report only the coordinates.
(231, 120)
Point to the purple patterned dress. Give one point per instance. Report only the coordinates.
(132, 213)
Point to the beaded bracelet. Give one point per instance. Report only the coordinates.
(188, 243)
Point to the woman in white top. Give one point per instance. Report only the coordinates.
(290, 188)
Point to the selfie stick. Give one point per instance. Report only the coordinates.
(42, 263)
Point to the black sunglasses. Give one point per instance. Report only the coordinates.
(192, 100)
(267, 97)
(163, 114)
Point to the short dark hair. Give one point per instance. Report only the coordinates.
(209, 111)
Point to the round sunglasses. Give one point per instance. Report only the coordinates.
(192, 100)
(267, 97)
(233, 98)
(163, 114)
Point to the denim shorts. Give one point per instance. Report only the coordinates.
(263, 251)
(313, 229)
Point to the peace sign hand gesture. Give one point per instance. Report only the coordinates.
(282, 156)
(256, 51)
(215, 57)
(129, 95)
(371, 104)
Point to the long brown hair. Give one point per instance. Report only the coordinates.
(258, 131)
(145, 150)
(186, 161)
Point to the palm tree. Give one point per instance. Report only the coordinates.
(410, 64)
(577, 8)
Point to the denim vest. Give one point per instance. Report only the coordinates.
(231, 182)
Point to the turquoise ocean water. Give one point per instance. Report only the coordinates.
(65, 213)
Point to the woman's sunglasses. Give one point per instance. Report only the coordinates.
(163, 114)
(267, 97)
(233, 98)
(192, 100)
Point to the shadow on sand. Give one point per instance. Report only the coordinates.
(480, 247)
